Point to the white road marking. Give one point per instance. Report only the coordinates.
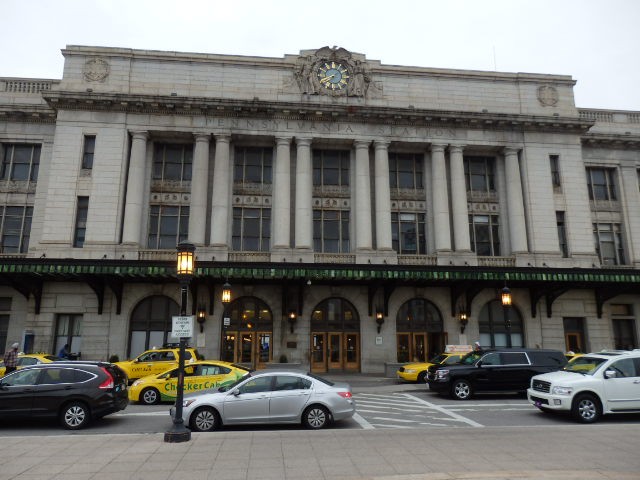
(362, 422)
(445, 411)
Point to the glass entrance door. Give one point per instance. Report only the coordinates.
(335, 351)
(318, 352)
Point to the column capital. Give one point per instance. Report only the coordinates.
(283, 140)
(456, 148)
(438, 147)
(202, 136)
(222, 137)
(362, 143)
(381, 144)
(510, 150)
(303, 141)
(139, 134)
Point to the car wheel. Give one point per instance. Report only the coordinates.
(461, 390)
(315, 417)
(75, 416)
(586, 408)
(150, 396)
(421, 377)
(205, 419)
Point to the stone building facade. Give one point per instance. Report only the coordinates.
(357, 209)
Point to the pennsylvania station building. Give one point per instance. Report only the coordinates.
(364, 215)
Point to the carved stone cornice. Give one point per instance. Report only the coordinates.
(317, 112)
(27, 113)
(620, 141)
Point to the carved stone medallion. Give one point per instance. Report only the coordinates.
(547, 95)
(96, 70)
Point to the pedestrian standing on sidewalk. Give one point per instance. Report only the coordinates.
(11, 359)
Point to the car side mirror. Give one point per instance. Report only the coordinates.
(236, 392)
(479, 364)
(610, 374)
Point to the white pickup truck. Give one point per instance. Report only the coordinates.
(590, 386)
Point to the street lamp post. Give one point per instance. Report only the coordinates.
(506, 305)
(185, 268)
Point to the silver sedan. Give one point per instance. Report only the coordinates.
(270, 397)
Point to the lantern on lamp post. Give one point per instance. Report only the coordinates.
(506, 305)
(184, 269)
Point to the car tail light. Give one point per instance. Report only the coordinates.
(345, 394)
(108, 383)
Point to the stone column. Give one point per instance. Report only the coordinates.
(515, 204)
(281, 194)
(440, 198)
(199, 183)
(362, 200)
(382, 195)
(631, 198)
(304, 194)
(135, 189)
(459, 200)
(220, 197)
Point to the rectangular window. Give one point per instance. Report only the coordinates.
(15, 229)
(69, 332)
(251, 230)
(562, 234)
(608, 242)
(88, 149)
(20, 162)
(479, 174)
(623, 322)
(82, 210)
(601, 183)
(168, 226)
(485, 236)
(408, 233)
(406, 170)
(574, 334)
(330, 167)
(554, 162)
(331, 231)
(172, 162)
(253, 165)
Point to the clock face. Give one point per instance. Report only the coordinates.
(333, 76)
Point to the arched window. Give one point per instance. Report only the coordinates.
(419, 331)
(335, 315)
(150, 324)
(493, 325)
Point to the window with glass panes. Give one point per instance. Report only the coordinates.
(330, 167)
(624, 328)
(88, 150)
(5, 306)
(331, 231)
(554, 163)
(251, 229)
(15, 229)
(252, 165)
(479, 174)
(150, 325)
(608, 241)
(406, 170)
(484, 232)
(562, 234)
(82, 209)
(20, 162)
(492, 325)
(601, 183)
(69, 332)
(172, 162)
(408, 233)
(168, 226)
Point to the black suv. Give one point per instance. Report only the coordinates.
(495, 370)
(74, 392)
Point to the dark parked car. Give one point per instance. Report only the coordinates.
(73, 392)
(496, 370)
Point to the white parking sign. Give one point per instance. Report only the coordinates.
(182, 327)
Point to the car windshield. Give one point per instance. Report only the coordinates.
(584, 364)
(470, 358)
(439, 358)
(226, 388)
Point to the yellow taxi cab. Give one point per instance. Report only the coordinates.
(25, 359)
(198, 376)
(156, 360)
(571, 356)
(417, 372)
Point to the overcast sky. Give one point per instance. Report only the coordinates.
(597, 42)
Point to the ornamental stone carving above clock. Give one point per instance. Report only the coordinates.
(96, 70)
